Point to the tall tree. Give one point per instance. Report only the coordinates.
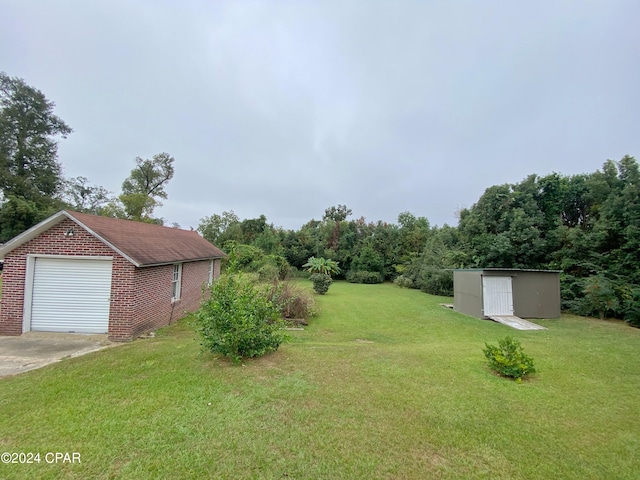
(29, 165)
(145, 186)
(335, 216)
(30, 174)
(215, 227)
(81, 196)
(414, 232)
(252, 227)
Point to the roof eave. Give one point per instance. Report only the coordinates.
(32, 233)
(179, 261)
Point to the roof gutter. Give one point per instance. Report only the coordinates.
(142, 265)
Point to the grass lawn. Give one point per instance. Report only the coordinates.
(384, 383)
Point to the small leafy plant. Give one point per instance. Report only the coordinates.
(508, 359)
(321, 265)
(321, 270)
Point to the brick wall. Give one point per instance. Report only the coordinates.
(154, 307)
(152, 298)
(122, 299)
(140, 297)
(12, 296)
(195, 275)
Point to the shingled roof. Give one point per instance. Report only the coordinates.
(143, 244)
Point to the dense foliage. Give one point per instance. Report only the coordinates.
(632, 310)
(364, 276)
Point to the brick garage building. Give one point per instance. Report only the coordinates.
(75, 272)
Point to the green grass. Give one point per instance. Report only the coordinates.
(385, 384)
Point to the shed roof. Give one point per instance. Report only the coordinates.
(497, 269)
(143, 244)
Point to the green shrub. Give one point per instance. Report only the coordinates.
(508, 359)
(632, 309)
(321, 282)
(279, 262)
(599, 297)
(268, 273)
(403, 282)
(368, 260)
(249, 258)
(246, 257)
(238, 320)
(571, 292)
(296, 273)
(363, 276)
(435, 281)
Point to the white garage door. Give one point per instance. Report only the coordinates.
(71, 295)
(497, 295)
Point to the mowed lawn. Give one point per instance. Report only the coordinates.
(384, 383)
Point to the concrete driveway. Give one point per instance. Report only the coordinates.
(36, 349)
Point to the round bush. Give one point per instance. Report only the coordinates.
(321, 282)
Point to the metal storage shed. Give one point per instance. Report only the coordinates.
(489, 292)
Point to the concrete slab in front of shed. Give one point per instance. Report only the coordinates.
(516, 322)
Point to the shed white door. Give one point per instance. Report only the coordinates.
(71, 295)
(497, 295)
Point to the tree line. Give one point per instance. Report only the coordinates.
(586, 225)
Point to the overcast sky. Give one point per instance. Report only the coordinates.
(285, 108)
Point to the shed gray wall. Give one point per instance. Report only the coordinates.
(467, 292)
(535, 294)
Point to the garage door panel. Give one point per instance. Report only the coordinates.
(497, 293)
(71, 295)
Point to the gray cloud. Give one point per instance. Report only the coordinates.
(285, 108)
